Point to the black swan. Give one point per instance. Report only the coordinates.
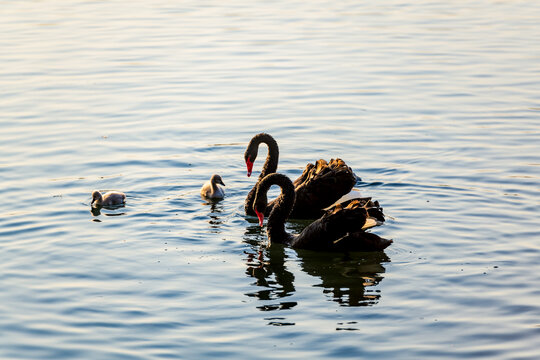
(320, 185)
(211, 189)
(339, 229)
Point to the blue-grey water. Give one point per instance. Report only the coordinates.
(434, 104)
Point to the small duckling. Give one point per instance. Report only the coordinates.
(212, 190)
(109, 199)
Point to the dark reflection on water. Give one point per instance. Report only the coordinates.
(273, 280)
(96, 210)
(267, 266)
(345, 277)
(215, 215)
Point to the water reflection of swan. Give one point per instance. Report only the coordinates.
(96, 210)
(268, 268)
(345, 277)
(215, 215)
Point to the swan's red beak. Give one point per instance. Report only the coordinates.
(261, 217)
(249, 165)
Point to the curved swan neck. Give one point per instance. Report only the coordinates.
(269, 167)
(97, 198)
(282, 208)
(214, 188)
(272, 159)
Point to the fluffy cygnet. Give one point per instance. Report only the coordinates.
(108, 199)
(211, 189)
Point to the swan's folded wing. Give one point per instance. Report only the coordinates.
(304, 176)
(333, 225)
(320, 185)
(373, 208)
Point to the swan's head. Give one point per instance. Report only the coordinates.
(96, 197)
(259, 206)
(260, 215)
(249, 165)
(216, 179)
(249, 156)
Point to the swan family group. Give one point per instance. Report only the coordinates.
(323, 192)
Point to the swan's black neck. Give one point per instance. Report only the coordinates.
(283, 206)
(271, 163)
(269, 167)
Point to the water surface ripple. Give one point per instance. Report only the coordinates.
(433, 104)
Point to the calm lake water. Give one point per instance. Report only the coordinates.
(434, 104)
